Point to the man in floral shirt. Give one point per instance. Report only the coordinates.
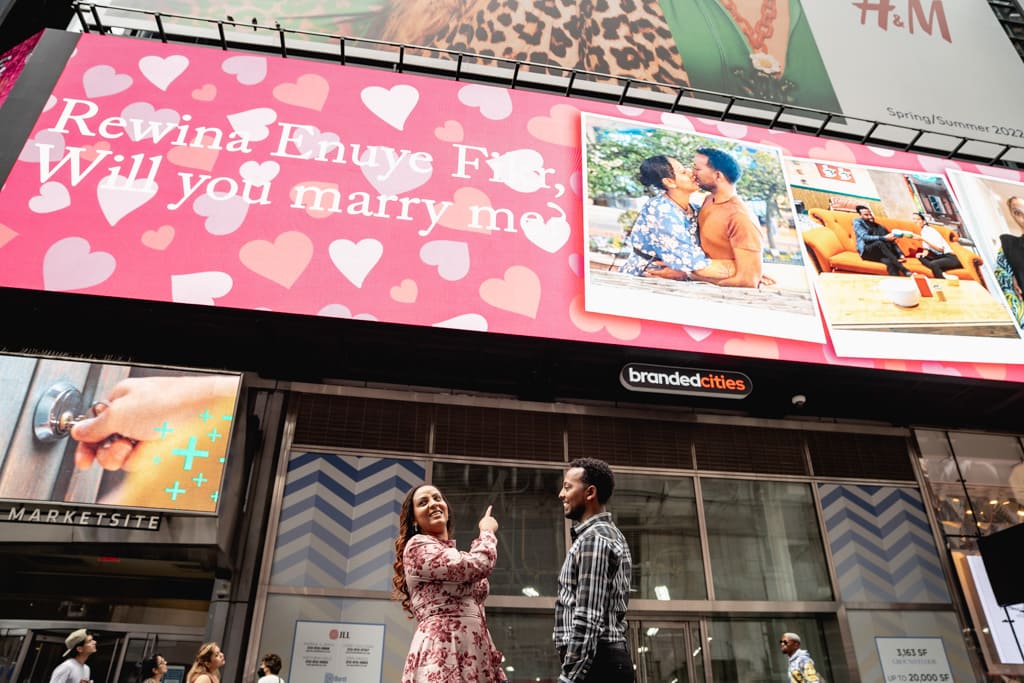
(801, 666)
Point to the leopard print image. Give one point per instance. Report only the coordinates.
(627, 38)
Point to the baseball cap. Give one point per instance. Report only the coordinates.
(75, 639)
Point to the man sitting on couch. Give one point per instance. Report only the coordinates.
(876, 243)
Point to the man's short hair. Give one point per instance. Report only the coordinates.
(598, 474)
(149, 664)
(792, 637)
(861, 207)
(272, 663)
(723, 162)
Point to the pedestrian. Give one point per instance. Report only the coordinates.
(593, 586)
(154, 668)
(80, 645)
(207, 664)
(270, 669)
(801, 666)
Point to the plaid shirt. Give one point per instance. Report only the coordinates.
(593, 593)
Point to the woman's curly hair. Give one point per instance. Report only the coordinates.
(407, 529)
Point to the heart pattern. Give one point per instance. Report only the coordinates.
(470, 211)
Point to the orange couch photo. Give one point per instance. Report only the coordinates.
(833, 246)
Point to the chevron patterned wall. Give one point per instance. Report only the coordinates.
(339, 519)
(881, 543)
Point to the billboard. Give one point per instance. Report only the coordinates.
(900, 62)
(128, 437)
(192, 175)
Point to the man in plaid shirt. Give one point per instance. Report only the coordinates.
(593, 586)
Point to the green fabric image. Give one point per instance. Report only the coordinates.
(718, 55)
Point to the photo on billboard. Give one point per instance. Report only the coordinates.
(669, 237)
(996, 211)
(897, 267)
(91, 433)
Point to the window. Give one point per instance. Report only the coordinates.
(764, 541)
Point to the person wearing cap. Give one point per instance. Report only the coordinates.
(80, 645)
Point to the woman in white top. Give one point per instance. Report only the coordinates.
(936, 254)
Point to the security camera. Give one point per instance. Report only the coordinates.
(799, 400)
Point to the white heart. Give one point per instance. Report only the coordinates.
(118, 197)
(53, 196)
(161, 71)
(102, 80)
(342, 311)
(355, 261)
(258, 174)
(50, 138)
(550, 236)
(69, 264)
(698, 334)
(146, 121)
(200, 288)
(391, 106)
(467, 321)
(253, 124)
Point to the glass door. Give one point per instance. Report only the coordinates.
(668, 652)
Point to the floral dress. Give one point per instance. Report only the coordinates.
(447, 590)
(663, 232)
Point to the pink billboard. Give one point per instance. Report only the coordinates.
(192, 175)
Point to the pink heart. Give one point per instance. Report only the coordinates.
(406, 292)
(562, 127)
(313, 210)
(309, 91)
(90, 152)
(102, 80)
(451, 258)
(752, 347)
(158, 239)
(281, 261)
(202, 158)
(52, 196)
(451, 131)
(459, 215)
(494, 103)
(518, 291)
(6, 235)
(625, 329)
(246, 69)
(70, 264)
(207, 93)
(834, 150)
(991, 371)
(223, 216)
(392, 174)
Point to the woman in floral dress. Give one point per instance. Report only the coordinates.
(445, 590)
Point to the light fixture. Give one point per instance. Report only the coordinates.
(510, 669)
(661, 592)
(530, 592)
(697, 651)
(652, 631)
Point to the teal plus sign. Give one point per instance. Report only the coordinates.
(214, 496)
(200, 480)
(175, 491)
(205, 415)
(214, 435)
(164, 430)
(190, 453)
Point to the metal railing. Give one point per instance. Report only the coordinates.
(228, 34)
